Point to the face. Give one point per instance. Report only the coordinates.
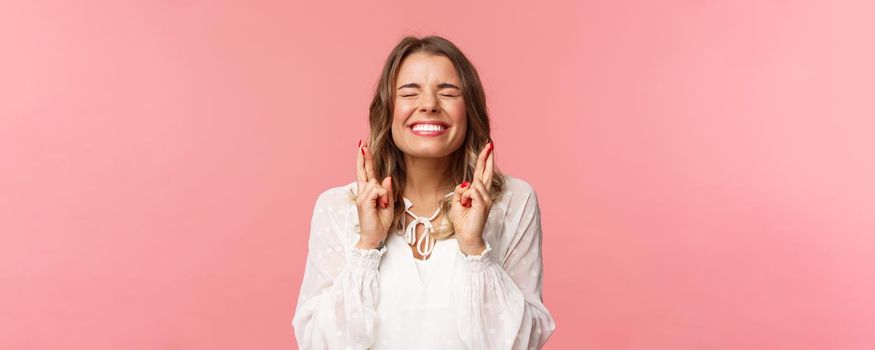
(429, 119)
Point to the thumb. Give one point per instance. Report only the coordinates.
(389, 201)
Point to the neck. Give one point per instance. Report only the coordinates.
(427, 178)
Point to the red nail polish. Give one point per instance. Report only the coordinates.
(492, 145)
(360, 143)
(465, 184)
(363, 151)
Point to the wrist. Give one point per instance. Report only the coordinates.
(472, 248)
(367, 244)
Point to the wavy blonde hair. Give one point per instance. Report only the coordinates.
(389, 159)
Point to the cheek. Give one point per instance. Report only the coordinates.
(400, 114)
(403, 110)
(456, 110)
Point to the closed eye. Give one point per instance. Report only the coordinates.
(444, 95)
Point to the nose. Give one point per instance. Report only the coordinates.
(428, 103)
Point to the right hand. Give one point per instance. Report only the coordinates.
(375, 202)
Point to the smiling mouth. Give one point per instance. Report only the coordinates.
(428, 129)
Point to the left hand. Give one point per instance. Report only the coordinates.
(471, 204)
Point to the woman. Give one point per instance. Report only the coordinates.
(431, 247)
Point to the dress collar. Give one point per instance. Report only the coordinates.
(408, 203)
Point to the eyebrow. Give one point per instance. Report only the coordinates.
(440, 86)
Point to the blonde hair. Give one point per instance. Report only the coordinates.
(389, 159)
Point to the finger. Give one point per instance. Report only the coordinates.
(369, 163)
(477, 197)
(489, 168)
(460, 190)
(375, 192)
(379, 194)
(389, 201)
(468, 195)
(360, 175)
(481, 162)
(364, 195)
(480, 189)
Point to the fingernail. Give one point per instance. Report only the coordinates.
(465, 184)
(363, 150)
(360, 143)
(492, 145)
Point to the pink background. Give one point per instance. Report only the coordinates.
(705, 168)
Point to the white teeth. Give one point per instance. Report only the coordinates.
(428, 127)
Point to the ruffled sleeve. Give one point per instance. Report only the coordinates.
(501, 306)
(337, 303)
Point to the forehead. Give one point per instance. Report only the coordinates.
(426, 67)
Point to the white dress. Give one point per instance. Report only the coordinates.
(354, 298)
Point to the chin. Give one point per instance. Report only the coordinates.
(430, 152)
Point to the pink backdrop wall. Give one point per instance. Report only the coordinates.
(705, 168)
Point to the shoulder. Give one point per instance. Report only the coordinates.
(337, 196)
(519, 194)
(520, 191)
(517, 185)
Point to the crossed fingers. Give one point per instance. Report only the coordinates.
(482, 172)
